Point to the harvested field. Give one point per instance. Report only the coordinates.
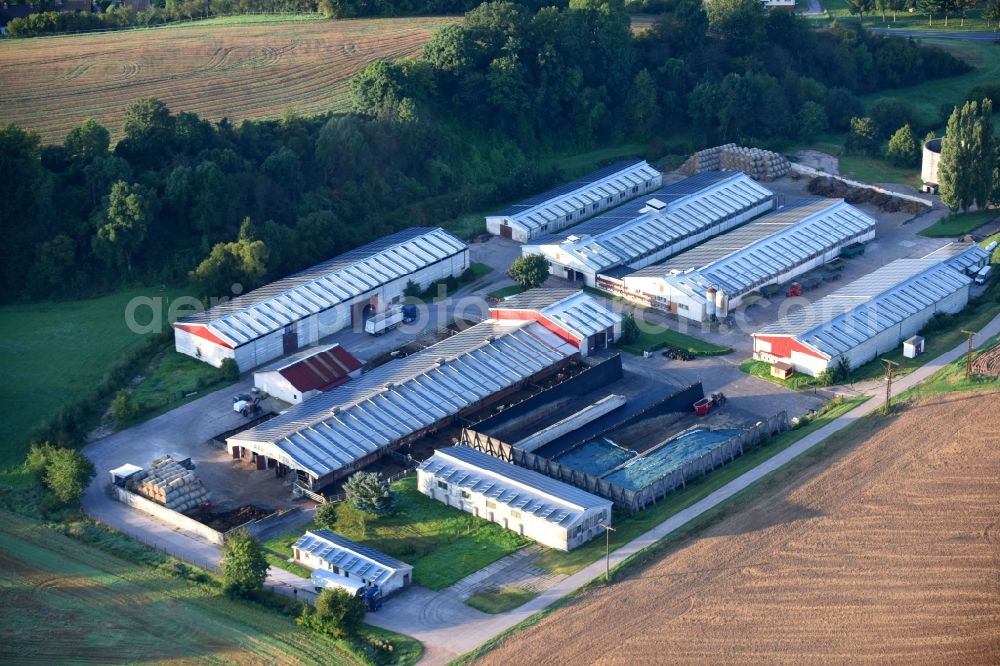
(65, 602)
(239, 71)
(885, 549)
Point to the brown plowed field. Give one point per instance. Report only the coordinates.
(886, 550)
(239, 70)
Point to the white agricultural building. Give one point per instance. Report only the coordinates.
(965, 258)
(553, 513)
(303, 375)
(657, 226)
(575, 201)
(344, 564)
(350, 426)
(715, 276)
(866, 318)
(299, 310)
(569, 313)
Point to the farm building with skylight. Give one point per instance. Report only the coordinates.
(715, 276)
(868, 317)
(569, 313)
(354, 424)
(348, 565)
(299, 310)
(657, 226)
(303, 375)
(553, 513)
(574, 201)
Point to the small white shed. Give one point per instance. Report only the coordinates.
(348, 564)
(913, 347)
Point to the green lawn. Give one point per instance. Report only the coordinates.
(500, 600)
(109, 610)
(959, 224)
(54, 353)
(505, 292)
(442, 543)
(839, 9)
(172, 379)
(762, 370)
(875, 170)
(630, 527)
(951, 378)
(653, 336)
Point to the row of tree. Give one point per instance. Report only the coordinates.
(928, 8)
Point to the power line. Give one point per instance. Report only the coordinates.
(968, 356)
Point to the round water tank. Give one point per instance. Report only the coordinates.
(929, 164)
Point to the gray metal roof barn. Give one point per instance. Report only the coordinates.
(549, 511)
(662, 223)
(320, 300)
(345, 428)
(574, 201)
(572, 314)
(801, 236)
(866, 317)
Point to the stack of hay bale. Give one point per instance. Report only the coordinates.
(757, 163)
(169, 483)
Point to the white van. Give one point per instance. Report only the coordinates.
(983, 275)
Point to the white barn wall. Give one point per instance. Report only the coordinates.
(393, 583)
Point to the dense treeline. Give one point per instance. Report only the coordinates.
(181, 198)
(161, 12)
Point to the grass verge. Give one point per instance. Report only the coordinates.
(500, 600)
(653, 336)
(505, 292)
(959, 224)
(442, 543)
(630, 527)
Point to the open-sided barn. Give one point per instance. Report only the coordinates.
(656, 226)
(717, 274)
(569, 313)
(551, 512)
(574, 201)
(299, 310)
(868, 317)
(337, 432)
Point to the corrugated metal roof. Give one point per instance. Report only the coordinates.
(572, 309)
(757, 253)
(560, 201)
(317, 368)
(961, 256)
(404, 396)
(857, 312)
(366, 563)
(660, 219)
(521, 489)
(272, 307)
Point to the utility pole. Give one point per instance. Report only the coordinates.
(607, 551)
(968, 356)
(889, 365)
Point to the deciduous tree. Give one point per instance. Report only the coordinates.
(529, 271)
(369, 492)
(244, 566)
(902, 150)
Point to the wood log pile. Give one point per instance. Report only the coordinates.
(169, 483)
(759, 164)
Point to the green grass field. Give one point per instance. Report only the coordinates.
(64, 601)
(442, 543)
(629, 527)
(903, 20)
(500, 600)
(959, 224)
(653, 336)
(53, 353)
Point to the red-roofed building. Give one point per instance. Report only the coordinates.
(303, 375)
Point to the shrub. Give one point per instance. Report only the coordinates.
(630, 329)
(412, 289)
(369, 492)
(902, 150)
(990, 91)
(529, 271)
(863, 138)
(337, 613)
(888, 114)
(124, 406)
(326, 516)
(230, 370)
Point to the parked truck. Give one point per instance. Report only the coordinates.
(390, 319)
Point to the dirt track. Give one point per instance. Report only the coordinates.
(887, 550)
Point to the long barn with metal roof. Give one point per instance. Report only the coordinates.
(569, 313)
(297, 311)
(659, 225)
(574, 201)
(802, 236)
(551, 512)
(337, 432)
(868, 317)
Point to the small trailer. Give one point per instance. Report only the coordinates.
(852, 250)
(713, 401)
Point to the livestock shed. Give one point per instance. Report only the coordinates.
(352, 425)
(553, 513)
(575, 201)
(569, 313)
(299, 310)
(303, 375)
(352, 565)
(713, 277)
(868, 317)
(964, 257)
(666, 222)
